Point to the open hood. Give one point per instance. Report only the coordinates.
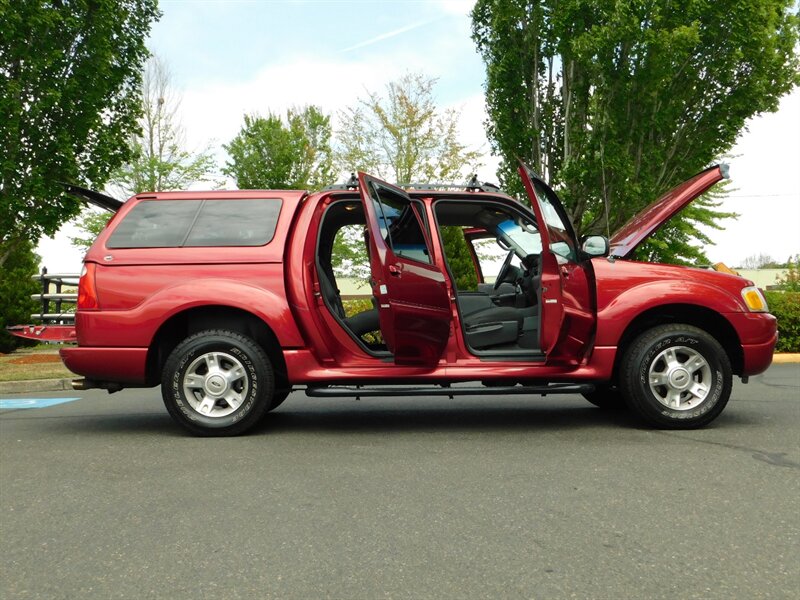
(643, 224)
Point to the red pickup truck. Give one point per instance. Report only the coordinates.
(230, 299)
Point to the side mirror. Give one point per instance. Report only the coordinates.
(595, 245)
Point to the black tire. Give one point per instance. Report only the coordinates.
(606, 396)
(217, 383)
(676, 377)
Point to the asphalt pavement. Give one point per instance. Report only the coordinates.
(493, 497)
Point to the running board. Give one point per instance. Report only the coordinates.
(370, 392)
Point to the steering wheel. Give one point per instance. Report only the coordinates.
(504, 270)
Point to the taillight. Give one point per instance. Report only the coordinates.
(87, 292)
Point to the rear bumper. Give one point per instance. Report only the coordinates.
(124, 365)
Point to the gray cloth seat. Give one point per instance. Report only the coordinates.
(498, 325)
(359, 324)
(498, 314)
(363, 322)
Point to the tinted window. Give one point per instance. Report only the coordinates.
(560, 240)
(400, 226)
(155, 224)
(235, 223)
(176, 223)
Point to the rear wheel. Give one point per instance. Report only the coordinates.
(676, 377)
(217, 383)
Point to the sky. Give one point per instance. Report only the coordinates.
(235, 57)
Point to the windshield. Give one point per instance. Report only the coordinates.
(521, 236)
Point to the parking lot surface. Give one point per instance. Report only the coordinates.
(102, 496)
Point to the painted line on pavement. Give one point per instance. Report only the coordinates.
(15, 403)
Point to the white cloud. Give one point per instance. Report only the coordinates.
(765, 170)
(456, 7)
(213, 112)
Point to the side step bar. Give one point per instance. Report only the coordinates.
(370, 392)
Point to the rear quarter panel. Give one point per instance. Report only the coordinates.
(140, 288)
(135, 301)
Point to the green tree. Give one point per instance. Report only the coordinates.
(16, 288)
(403, 137)
(90, 223)
(761, 261)
(70, 77)
(459, 259)
(272, 153)
(616, 102)
(790, 282)
(159, 159)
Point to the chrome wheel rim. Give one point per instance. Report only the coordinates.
(215, 384)
(680, 378)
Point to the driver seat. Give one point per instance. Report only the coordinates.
(498, 325)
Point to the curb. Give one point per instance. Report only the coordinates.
(35, 385)
(785, 358)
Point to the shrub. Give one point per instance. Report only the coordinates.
(16, 288)
(786, 308)
(791, 281)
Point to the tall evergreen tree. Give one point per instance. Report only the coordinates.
(616, 102)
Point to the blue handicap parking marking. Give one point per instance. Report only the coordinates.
(9, 403)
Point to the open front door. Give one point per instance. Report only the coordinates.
(567, 299)
(413, 304)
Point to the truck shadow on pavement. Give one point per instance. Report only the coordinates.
(431, 419)
(338, 419)
(352, 417)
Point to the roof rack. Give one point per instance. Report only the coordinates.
(473, 185)
(350, 184)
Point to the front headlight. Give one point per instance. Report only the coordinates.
(754, 299)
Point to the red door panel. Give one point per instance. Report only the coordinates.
(413, 303)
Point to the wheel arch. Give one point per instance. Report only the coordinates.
(701, 317)
(200, 318)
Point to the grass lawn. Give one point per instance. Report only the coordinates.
(38, 362)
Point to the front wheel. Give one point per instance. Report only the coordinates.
(676, 377)
(217, 383)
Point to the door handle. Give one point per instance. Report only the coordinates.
(395, 270)
(565, 271)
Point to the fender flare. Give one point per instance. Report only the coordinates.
(270, 307)
(614, 319)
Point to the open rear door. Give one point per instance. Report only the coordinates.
(413, 303)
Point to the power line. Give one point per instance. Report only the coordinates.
(796, 195)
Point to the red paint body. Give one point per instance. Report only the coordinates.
(596, 303)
